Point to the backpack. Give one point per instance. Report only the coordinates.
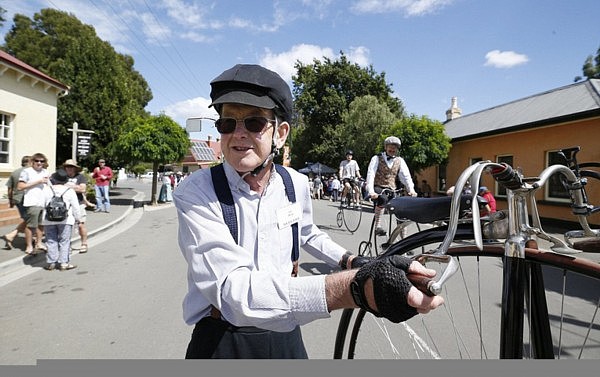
(57, 209)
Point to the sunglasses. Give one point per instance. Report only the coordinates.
(39, 160)
(252, 124)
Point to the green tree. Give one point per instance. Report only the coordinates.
(156, 139)
(323, 93)
(2, 19)
(424, 141)
(591, 67)
(363, 124)
(105, 89)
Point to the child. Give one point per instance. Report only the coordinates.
(58, 233)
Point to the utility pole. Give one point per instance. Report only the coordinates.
(81, 143)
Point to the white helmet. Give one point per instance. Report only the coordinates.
(392, 140)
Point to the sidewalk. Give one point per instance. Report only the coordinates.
(123, 201)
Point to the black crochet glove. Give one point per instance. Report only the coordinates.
(390, 287)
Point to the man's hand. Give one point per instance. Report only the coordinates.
(382, 288)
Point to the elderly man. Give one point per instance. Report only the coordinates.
(241, 224)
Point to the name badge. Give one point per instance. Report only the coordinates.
(288, 215)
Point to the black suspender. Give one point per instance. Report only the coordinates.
(226, 200)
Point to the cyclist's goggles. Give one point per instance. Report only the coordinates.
(252, 124)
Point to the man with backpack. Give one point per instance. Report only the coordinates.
(241, 224)
(61, 211)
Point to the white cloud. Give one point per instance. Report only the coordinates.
(409, 7)
(504, 59)
(191, 108)
(283, 63)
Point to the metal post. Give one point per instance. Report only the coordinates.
(74, 144)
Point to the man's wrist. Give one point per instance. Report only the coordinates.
(344, 262)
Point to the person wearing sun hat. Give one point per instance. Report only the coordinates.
(241, 224)
(78, 182)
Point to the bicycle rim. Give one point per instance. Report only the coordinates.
(468, 324)
(352, 216)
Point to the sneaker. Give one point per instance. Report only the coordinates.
(98, 210)
(66, 266)
(379, 231)
(50, 266)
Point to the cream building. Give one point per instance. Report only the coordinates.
(28, 115)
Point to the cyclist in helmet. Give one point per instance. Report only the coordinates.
(384, 168)
(349, 172)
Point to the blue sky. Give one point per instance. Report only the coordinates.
(483, 52)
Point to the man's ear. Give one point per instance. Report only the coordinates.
(282, 133)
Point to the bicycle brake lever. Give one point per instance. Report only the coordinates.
(430, 286)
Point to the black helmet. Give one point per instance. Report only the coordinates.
(349, 152)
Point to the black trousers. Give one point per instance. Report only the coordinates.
(216, 339)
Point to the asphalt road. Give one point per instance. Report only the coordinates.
(124, 299)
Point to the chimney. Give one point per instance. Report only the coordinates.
(454, 111)
(208, 140)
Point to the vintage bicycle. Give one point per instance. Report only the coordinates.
(505, 297)
(350, 209)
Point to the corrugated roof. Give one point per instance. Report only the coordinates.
(567, 101)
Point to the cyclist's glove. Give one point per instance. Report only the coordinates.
(359, 261)
(390, 287)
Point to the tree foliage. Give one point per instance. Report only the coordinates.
(591, 67)
(424, 141)
(105, 89)
(2, 19)
(363, 124)
(323, 93)
(156, 139)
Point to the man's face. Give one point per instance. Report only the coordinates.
(348, 157)
(71, 170)
(38, 163)
(391, 149)
(246, 150)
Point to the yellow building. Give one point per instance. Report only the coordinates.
(28, 114)
(527, 134)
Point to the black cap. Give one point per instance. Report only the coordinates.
(253, 85)
(60, 176)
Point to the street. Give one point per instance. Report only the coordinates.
(124, 299)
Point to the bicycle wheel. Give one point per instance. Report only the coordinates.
(562, 296)
(352, 214)
(381, 241)
(365, 249)
(340, 218)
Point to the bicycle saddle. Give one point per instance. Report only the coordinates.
(427, 210)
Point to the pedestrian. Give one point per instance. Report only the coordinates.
(241, 224)
(425, 189)
(335, 188)
(490, 207)
(58, 233)
(166, 191)
(318, 187)
(384, 170)
(78, 182)
(102, 175)
(350, 173)
(32, 181)
(15, 199)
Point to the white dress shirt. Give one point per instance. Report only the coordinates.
(403, 173)
(251, 284)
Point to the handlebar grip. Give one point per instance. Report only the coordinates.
(507, 176)
(421, 282)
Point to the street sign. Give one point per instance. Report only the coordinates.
(84, 146)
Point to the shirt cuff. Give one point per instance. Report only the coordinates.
(307, 298)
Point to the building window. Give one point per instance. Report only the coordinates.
(5, 124)
(442, 186)
(555, 190)
(507, 159)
